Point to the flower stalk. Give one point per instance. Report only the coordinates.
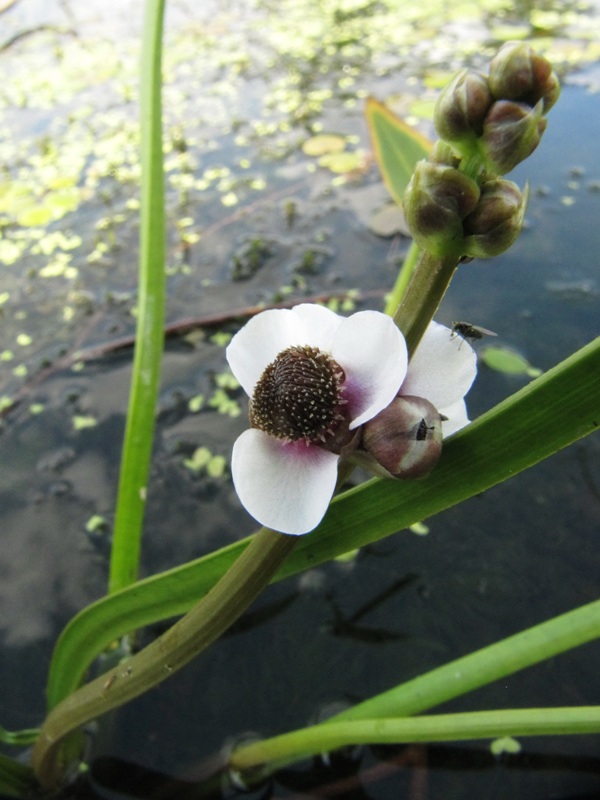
(456, 204)
(186, 639)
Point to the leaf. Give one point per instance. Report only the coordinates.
(396, 145)
(324, 143)
(388, 221)
(341, 162)
(503, 359)
(548, 414)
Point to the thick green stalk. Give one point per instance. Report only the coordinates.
(403, 279)
(139, 431)
(284, 749)
(430, 279)
(212, 615)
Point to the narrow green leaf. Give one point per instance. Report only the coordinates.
(16, 779)
(18, 738)
(396, 145)
(551, 412)
(137, 446)
(289, 747)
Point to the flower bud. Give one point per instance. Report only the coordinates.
(511, 132)
(405, 439)
(443, 153)
(436, 201)
(497, 221)
(462, 107)
(517, 72)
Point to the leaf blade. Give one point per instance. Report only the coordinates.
(397, 146)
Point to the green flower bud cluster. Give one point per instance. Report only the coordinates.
(456, 203)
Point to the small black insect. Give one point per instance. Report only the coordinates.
(421, 432)
(468, 331)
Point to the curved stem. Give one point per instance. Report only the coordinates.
(217, 610)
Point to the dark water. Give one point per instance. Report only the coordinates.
(510, 558)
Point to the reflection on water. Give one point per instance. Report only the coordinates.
(247, 83)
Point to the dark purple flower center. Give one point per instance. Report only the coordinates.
(299, 396)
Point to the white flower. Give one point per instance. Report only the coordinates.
(332, 375)
(442, 370)
(313, 378)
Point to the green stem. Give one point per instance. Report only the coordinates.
(137, 446)
(452, 680)
(484, 666)
(430, 279)
(212, 615)
(281, 750)
(405, 274)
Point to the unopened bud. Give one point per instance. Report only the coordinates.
(436, 201)
(511, 132)
(517, 72)
(462, 107)
(497, 221)
(443, 153)
(405, 439)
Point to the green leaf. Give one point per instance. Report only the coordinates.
(16, 780)
(139, 431)
(503, 359)
(19, 738)
(324, 143)
(396, 145)
(548, 414)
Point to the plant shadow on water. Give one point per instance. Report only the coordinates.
(253, 219)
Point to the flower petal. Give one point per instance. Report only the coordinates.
(319, 324)
(442, 369)
(456, 417)
(286, 486)
(263, 337)
(372, 352)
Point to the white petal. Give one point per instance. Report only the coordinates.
(258, 342)
(286, 486)
(319, 325)
(261, 339)
(372, 352)
(442, 369)
(457, 417)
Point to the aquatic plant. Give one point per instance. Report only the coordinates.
(402, 379)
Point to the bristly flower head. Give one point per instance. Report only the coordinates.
(314, 379)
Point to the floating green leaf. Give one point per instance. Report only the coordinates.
(203, 459)
(505, 744)
(80, 422)
(96, 523)
(341, 162)
(388, 221)
(503, 359)
(195, 403)
(324, 143)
